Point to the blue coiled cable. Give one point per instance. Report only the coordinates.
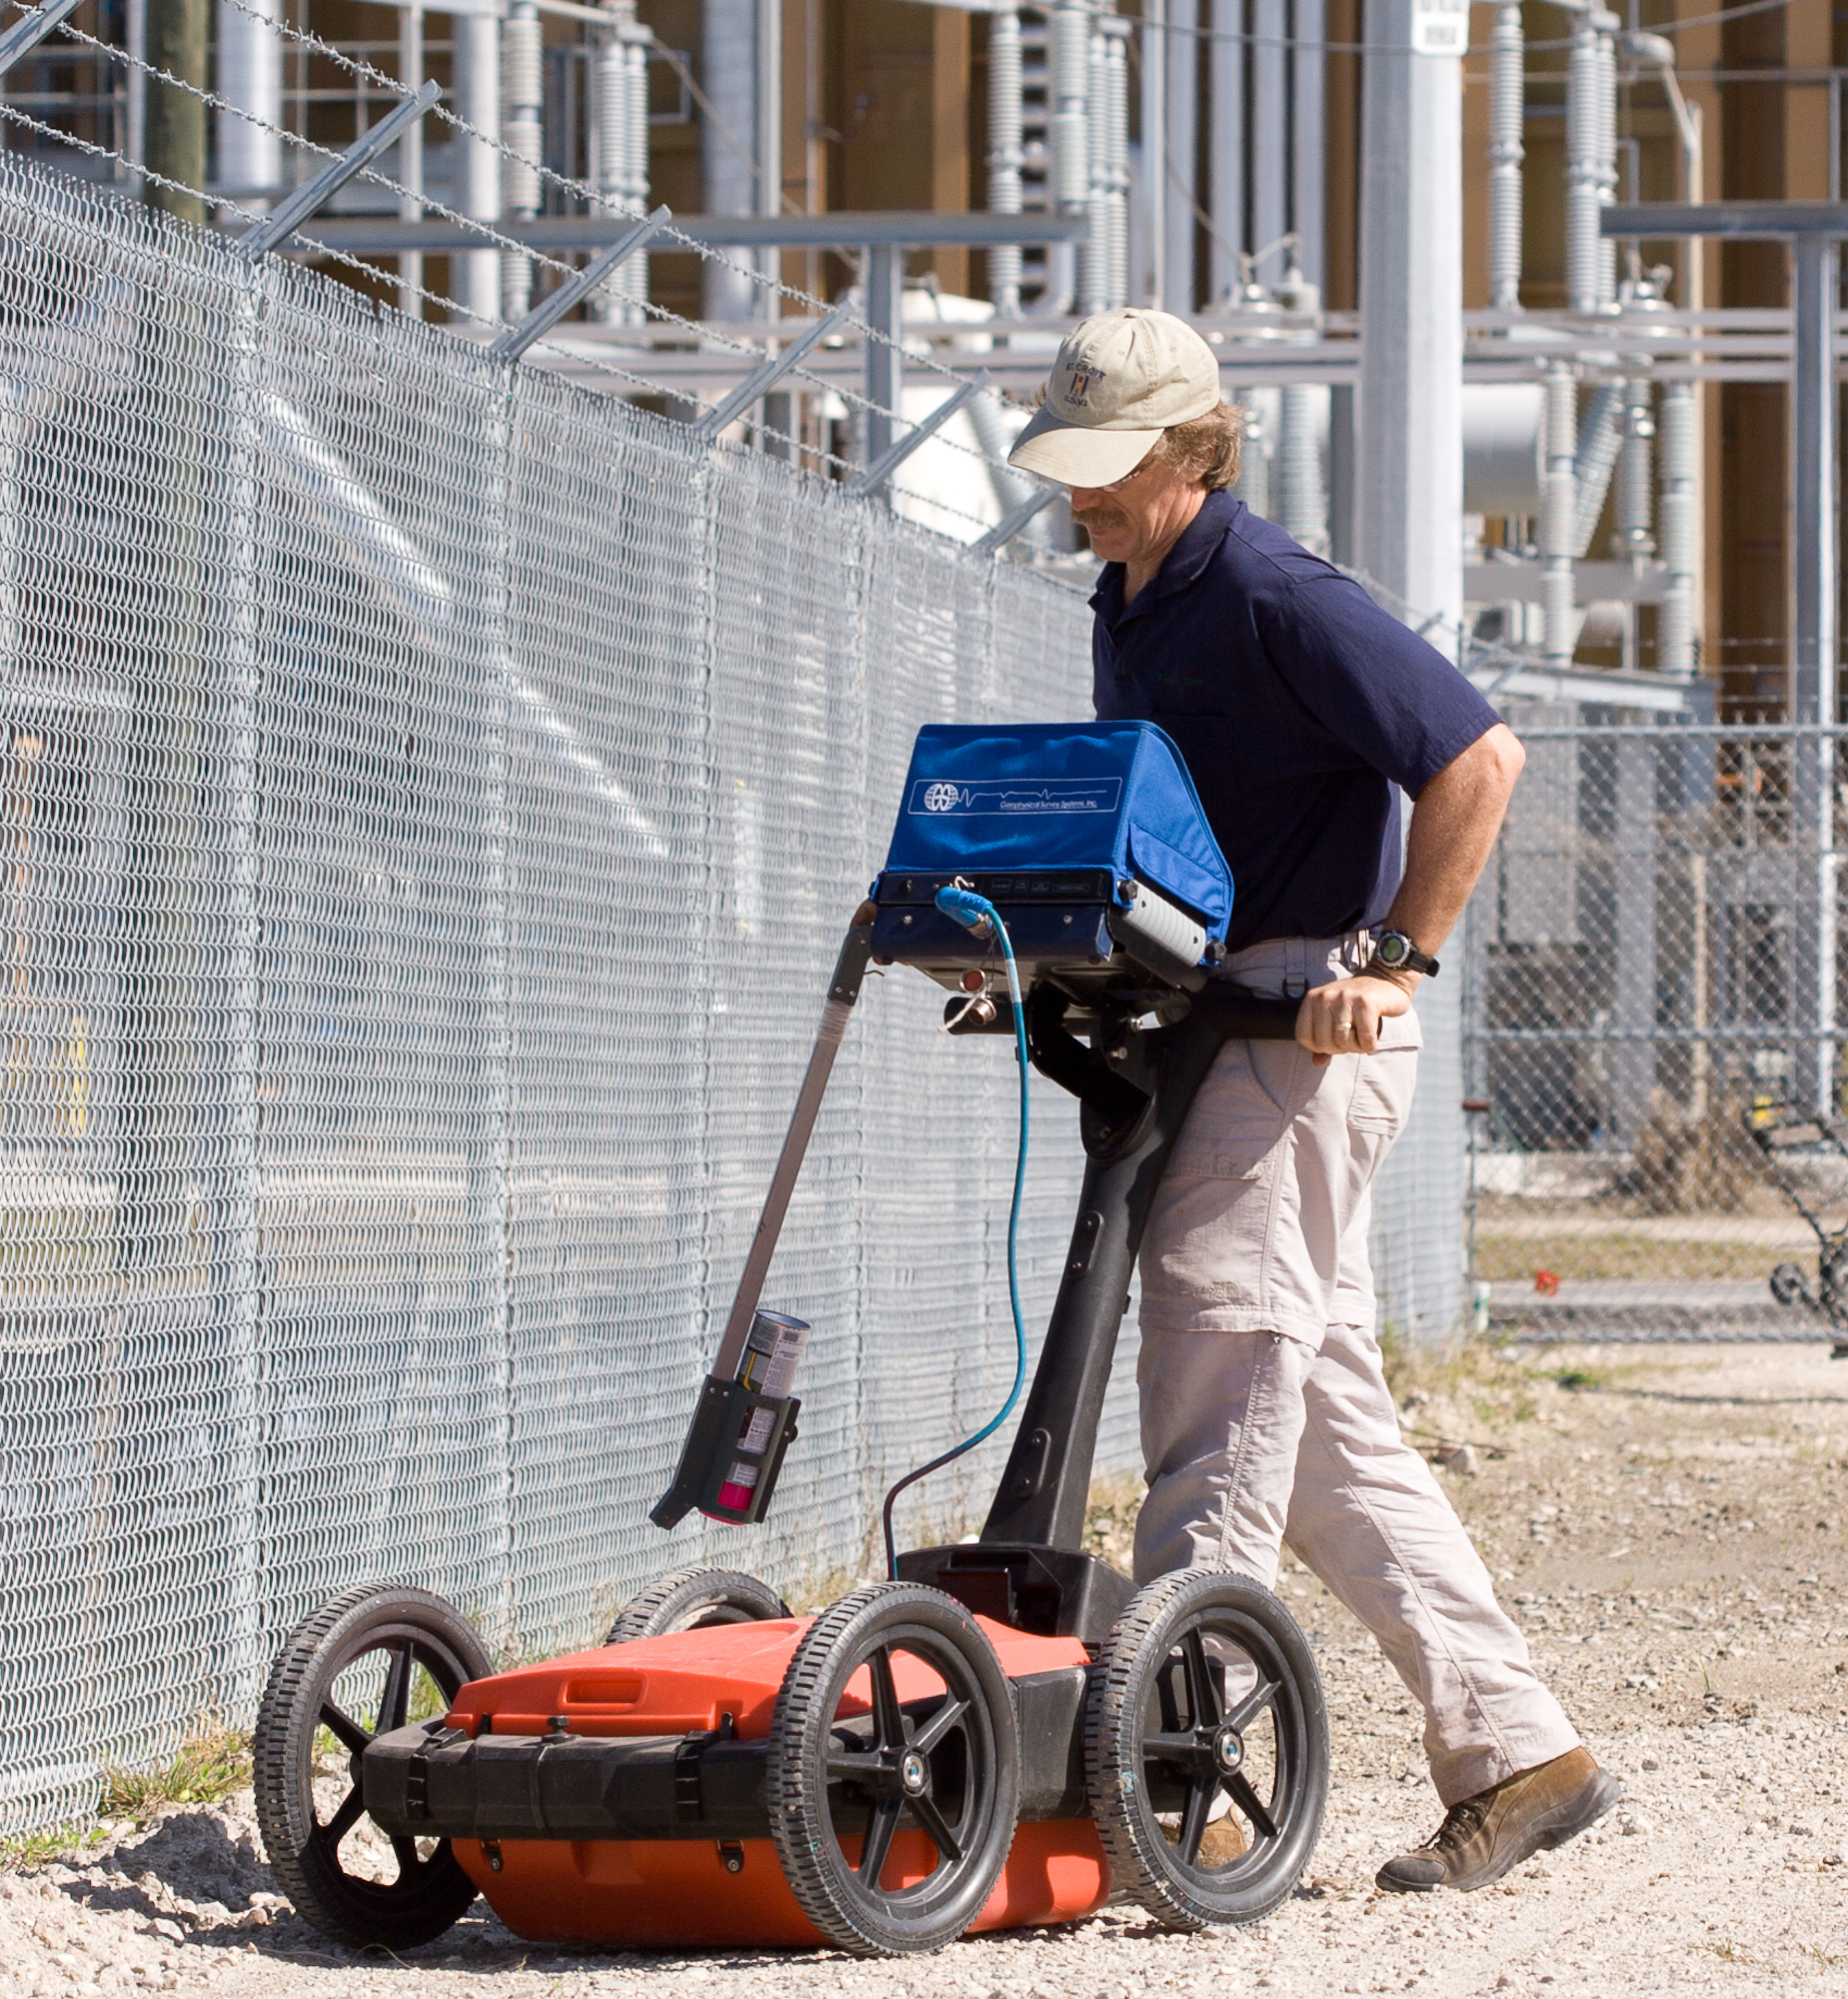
(977, 913)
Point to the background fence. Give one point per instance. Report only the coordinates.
(431, 800)
(1657, 972)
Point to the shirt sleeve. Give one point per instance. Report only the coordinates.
(1373, 683)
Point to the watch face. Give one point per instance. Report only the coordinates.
(1391, 948)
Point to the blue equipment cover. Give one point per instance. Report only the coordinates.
(1096, 795)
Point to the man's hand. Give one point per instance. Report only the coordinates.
(1343, 1018)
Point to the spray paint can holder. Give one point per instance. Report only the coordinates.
(740, 1431)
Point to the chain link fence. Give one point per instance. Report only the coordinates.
(432, 799)
(1654, 1025)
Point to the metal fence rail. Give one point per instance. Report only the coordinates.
(432, 797)
(1656, 982)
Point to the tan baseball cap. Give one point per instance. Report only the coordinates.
(1121, 378)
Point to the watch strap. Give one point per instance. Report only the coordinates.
(1414, 960)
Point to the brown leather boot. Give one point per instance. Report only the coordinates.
(1482, 1837)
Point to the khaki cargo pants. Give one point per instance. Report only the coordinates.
(1264, 1412)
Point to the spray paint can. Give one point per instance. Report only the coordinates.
(772, 1350)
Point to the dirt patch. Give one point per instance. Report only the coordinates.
(1668, 1526)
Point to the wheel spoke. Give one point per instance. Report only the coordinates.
(1253, 1704)
(394, 1702)
(888, 1715)
(882, 1823)
(336, 1718)
(935, 1823)
(939, 1725)
(344, 1819)
(1177, 1749)
(1200, 1795)
(855, 1767)
(1203, 1696)
(1248, 1801)
(409, 1859)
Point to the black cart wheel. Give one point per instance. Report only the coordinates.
(1207, 1689)
(369, 1661)
(695, 1600)
(894, 1773)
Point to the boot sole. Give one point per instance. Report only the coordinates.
(1564, 1822)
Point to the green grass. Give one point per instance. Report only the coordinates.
(211, 1765)
(1515, 1259)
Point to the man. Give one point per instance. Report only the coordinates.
(1298, 707)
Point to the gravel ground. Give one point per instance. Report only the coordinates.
(1670, 1525)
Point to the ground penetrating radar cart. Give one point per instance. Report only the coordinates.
(1004, 1733)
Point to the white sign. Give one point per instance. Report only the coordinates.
(1440, 27)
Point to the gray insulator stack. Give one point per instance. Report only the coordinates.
(1094, 253)
(1558, 505)
(620, 105)
(1114, 113)
(1591, 160)
(1636, 473)
(1507, 106)
(1006, 154)
(1674, 618)
(1254, 486)
(1302, 498)
(1068, 61)
(522, 134)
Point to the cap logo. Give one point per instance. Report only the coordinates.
(1078, 389)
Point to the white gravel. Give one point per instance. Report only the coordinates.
(1672, 1534)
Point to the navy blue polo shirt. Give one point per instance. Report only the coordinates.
(1297, 705)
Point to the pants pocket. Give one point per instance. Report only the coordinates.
(1384, 1086)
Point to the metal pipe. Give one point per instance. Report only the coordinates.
(1608, 26)
(135, 86)
(1005, 530)
(523, 133)
(1226, 56)
(770, 144)
(1155, 150)
(562, 298)
(728, 145)
(1583, 252)
(882, 268)
(1674, 618)
(475, 169)
(1302, 415)
(1308, 73)
(1270, 128)
(1558, 505)
(250, 77)
(876, 474)
(1506, 151)
(619, 101)
(1176, 164)
(1004, 154)
(410, 158)
(263, 237)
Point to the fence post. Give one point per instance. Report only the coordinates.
(1634, 903)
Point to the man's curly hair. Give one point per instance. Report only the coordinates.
(1206, 450)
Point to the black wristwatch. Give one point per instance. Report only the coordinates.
(1393, 951)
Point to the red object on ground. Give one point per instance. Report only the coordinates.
(1546, 1283)
(679, 1892)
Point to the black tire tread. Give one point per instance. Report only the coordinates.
(1111, 1781)
(797, 1831)
(278, 1795)
(654, 1610)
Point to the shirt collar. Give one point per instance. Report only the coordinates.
(1185, 564)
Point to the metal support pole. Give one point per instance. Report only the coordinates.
(768, 137)
(1114, 115)
(523, 132)
(1155, 150)
(410, 159)
(883, 265)
(1269, 60)
(1068, 95)
(250, 77)
(1815, 654)
(135, 87)
(728, 152)
(883, 468)
(1011, 525)
(301, 205)
(1634, 940)
(1506, 151)
(474, 172)
(1177, 165)
(756, 385)
(555, 304)
(1309, 142)
(27, 33)
(1226, 55)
